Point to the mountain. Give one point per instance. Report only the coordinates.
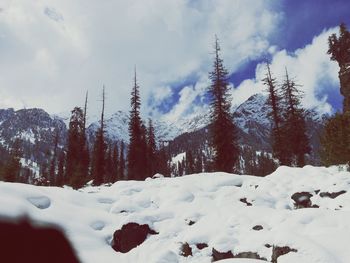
(36, 130)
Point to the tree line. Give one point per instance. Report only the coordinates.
(107, 162)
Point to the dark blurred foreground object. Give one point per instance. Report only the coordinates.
(21, 242)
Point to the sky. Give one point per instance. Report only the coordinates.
(53, 51)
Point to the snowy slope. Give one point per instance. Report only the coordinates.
(212, 202)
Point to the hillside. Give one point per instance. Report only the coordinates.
(241, 215)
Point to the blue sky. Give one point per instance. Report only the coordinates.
(53, 51)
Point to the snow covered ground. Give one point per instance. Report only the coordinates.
(217, 209)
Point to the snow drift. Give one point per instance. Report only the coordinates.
(225, 212)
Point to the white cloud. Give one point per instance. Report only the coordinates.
(310, 67)
(54, 50)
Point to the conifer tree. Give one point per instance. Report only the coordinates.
(122, 162)
(279, 149)
(99, 151)
(115, 163)
(136, 151)
(75, 170)
(151, 149)
(222, 128)
(12, 168)
(60, 170)
(52, 177)
(339, 47)
(294, 127)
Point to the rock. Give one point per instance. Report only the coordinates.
(252, 255)
(258, 227)
(302, 200)
(185, 250)
(332, 195)
(130, 236)
(279, 251)
(201, 246)
(244, 200)
(217, 255)
(190, 223)
(22, 242)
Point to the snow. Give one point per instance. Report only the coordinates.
(211, 201)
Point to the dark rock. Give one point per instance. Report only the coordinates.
(190, 223)
(268, 245)
(279, 251)
(186, 250)
(252, 255)
(302, 200)
(332, 195)
(217, 255)
(317, 191)
(244, 200)
(258, 227)
(201, 246)
(130, 236)
(22, 242)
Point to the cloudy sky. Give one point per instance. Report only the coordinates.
(53, 51)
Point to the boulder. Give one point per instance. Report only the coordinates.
(130, 236)
(302, 200)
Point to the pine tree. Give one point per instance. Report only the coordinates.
(75, 170)
(279, 145)
(189, 169)
(335, 140)
(294, 127)
(99, 151)
(136, 151)
(122, 162)
(223, 130)
(339, 47)
(12, 168)
(115, 163)
(52, 176)
(151, 149)
(60, 173)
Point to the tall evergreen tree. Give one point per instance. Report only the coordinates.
(99, 151)
(52, 177)
(294, 127)
(115, 163)
(136, 153)
(75, 170)
(122, 162)
(151, 149)
(223, 130)
(60, 170)
(12, 168)
(279, 146)
(339, 47)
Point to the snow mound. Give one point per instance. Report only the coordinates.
(205, 211)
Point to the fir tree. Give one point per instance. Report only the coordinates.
(99, 151)
(75, 174)
(279, 149)
(335, 140)
(294, 127)
(136, 151)
(339, 47)
(12, 168)
(60, 170)
(223, 130)
(115, 163)
(122, 162)
(52, 177)
(151, 149)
